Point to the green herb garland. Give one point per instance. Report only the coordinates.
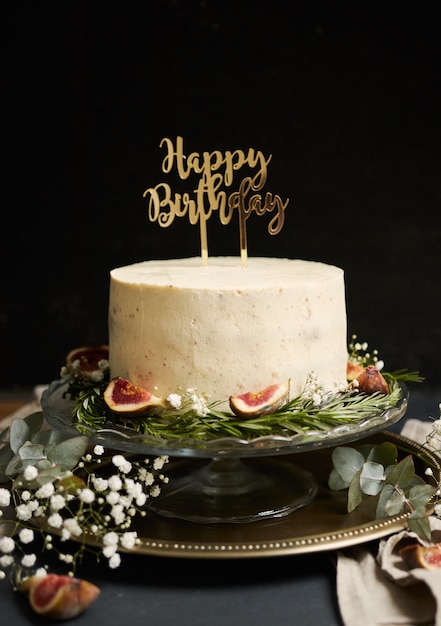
(299, 415)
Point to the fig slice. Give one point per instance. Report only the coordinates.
(125, 398)
(88, 357)
(371, 381)
(427, 557)
(59, 596)
(264, 402)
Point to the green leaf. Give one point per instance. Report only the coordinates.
(420, 495)
(371, 478)
(4, 435)
(402, 474)
(418, 522)
(385, 495)
(68, 452)
(336, 482)
(6, 455)
(347, 462)
(31, 452)
(20, 433)
(355, 496)
(49, 437)
(34, 421)
(385, 453)
(396, 503)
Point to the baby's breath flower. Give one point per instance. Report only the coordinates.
(98, 450)
(5, 497)
(7, 545)
(115, 483)
(72, 527)
(99, 483)
(87, 496)
(45, 490)
(159, 462)
(121, 463)
(175, 400)
(55, 520)
(29, 560)
(128, 540)
(110, 539)
(57, 502)
(115, 560)
(6, 560)
(26, 535)
(23, 512)
(30, 473)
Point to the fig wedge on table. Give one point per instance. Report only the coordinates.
(264, 402)
(427, 557)
(59, 596)
(123, 397)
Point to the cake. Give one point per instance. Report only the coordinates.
(224, 329)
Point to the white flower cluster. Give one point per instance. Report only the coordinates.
(433, 441)
(315, 391)
(358, 353)
(189, 399)
(83, 502)
(74, 370)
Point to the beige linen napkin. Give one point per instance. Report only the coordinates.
(378, 589)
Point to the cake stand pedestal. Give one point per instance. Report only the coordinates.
(233, 490)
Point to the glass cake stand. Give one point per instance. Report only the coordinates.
(225, 480)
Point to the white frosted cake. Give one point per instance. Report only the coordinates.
(225, 329)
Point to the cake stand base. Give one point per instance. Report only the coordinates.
(230, 490)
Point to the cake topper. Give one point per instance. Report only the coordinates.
(216, 170)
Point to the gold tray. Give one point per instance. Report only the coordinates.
(321, 525)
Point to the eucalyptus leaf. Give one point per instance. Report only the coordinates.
(4, 435)
(396, 503)
(68, 452)
(385, 495)
(402, 474)
(31, 451)
(15, 466)
(34, 421)
(336, 482)
(385, 453)
(347, 462)
(49, 437)
(20, 433)
(6, 455)
(371, 478)
(420, 495)
(420, 525)
(355, 495)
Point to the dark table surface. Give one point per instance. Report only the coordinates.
(162, 590)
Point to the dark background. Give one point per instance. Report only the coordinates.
(344, 95)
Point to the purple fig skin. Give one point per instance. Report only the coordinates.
(371, 381)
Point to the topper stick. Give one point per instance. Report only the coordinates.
(204, 245)
(243, 242)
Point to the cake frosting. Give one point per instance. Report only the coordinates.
(225, 329)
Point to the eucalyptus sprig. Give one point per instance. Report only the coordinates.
(375, 471)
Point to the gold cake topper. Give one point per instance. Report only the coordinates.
(216, 170)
